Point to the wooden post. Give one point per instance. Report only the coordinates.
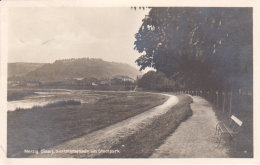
(217, 98)
(212, 95)
(230, 104)
(224, 101)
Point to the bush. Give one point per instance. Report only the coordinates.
(156, 81)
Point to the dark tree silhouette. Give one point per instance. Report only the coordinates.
(156, 81)
(202, 47)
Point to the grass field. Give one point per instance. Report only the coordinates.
(44, 127)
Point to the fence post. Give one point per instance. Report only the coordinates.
(212, 95)
(230, 104)
(217, 98)
(224, 101)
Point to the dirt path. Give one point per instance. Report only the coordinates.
(102, 140)
(195, 137)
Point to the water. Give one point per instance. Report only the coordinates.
(45, 97)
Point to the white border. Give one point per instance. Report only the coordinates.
(126, 3)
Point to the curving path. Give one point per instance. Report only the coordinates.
(105, 138)
(195, 137)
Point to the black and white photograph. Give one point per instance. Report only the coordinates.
(129, 82)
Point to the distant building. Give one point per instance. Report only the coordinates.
(32, 84)
(14, 83)
(94, 84)
(105, 82)
(79, 78)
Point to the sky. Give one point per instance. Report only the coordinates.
(44, 34)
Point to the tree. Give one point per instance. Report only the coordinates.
(201, 46)
(155, 81)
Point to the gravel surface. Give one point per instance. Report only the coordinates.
(194, 138)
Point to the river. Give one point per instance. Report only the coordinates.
(44, 97)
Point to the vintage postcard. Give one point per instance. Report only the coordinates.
(173, 82)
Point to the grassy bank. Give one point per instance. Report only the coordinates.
(52, 105)
(45, 127)
(143, 143)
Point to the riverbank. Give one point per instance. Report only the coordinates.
(19, 93)
(143, 143)
(42, 128)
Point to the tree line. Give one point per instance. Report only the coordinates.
(197, 48)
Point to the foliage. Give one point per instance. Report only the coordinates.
(204, 47)
(155, 81)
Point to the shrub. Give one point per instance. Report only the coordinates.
(156, 81)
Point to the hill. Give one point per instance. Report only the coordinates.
(22, 68)
(81, 68)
